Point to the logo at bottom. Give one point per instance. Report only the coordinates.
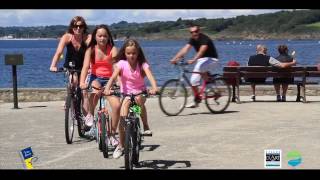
(294, 158)
(27, 158)
(272, 158)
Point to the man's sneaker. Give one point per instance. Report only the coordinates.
(192, 105)
(253, 97)
(118, 152)
(114, 141)
(278, 98)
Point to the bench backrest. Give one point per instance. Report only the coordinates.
(268, 68)
(269, 71)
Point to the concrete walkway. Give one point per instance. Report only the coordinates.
(195, 139)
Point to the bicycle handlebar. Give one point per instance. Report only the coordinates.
(114, 87)
(181, 62)
(143, 92)
(63, 69)
(132, 96)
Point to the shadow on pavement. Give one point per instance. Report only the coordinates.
(163, 164)
(273, 101)
(36, 106)
(312, 102)
(149, 147)
(225, 112)
(82, 140)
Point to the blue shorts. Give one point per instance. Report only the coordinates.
(101, 80)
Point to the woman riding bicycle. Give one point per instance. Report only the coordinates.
(76, 39)
(100, 57)
(132, 68)
(206, 59)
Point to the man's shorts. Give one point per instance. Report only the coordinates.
(205, 64)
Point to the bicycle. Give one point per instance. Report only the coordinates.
(133, 135)
(73, 104)
(102, 122)
(173, 94)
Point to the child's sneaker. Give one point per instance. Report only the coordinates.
(114, 141)
(91, 133)
(118, 152)
(278, 98)
(147, 132)
(88, 120)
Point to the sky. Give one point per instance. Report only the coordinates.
(46, 17)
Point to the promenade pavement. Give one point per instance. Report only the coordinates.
(196, 139)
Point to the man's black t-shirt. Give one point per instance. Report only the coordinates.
(204, 40)
(259, 60)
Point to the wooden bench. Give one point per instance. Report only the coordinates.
(243, 72)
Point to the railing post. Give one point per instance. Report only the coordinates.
(15, 86)
(14, 60)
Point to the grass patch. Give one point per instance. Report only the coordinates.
(314, 25)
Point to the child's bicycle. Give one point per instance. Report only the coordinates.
(133, 135)
(73, 104)
(102, 122)
(173, 94)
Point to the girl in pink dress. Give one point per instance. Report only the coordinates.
(132, 68)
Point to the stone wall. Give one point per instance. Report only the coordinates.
(33, 94)
(58, 94)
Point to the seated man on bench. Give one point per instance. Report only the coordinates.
(262, 59)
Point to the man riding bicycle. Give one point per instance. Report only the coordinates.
(206, 58)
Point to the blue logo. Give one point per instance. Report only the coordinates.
(27, 158)
(27, 153)
(294, 158)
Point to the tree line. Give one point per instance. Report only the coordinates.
(295, 21)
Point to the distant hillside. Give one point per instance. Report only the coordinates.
(296, 24)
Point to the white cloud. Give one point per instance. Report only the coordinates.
(63, 17)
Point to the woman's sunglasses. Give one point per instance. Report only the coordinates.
(78, 26)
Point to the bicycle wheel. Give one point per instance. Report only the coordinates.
(103, 136)
(128, 148)
(69, 118)
(136, 142)
(173, 97)
(97, 125)
(79, 117)
(217, 95)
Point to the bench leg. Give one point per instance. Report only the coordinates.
(304, 93)
(238, 89)
(233, 93)
(298, 93)
(304, 89)
(238, 95)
